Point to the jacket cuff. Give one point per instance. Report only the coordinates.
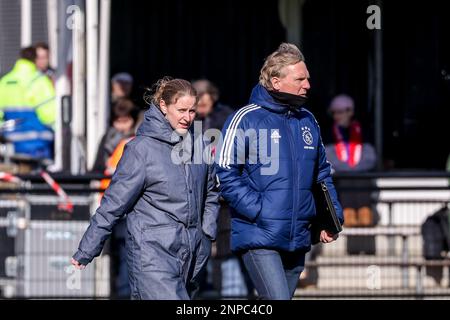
(212, 239)
(210, 231)
(82, 258)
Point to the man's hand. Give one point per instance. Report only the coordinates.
(77, 265)
(327, 237)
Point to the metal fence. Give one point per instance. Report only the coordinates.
(386, 259)
(383, 259)
(38, 237)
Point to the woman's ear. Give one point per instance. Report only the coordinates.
(163, 106)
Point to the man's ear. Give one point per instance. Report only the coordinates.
(275, 83)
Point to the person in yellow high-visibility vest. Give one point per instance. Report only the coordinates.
(28, 96)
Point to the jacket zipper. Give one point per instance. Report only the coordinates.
(188, 195)
(294, 167)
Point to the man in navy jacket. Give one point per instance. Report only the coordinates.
(271, 156)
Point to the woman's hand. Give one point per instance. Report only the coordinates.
(77, 265)
(327, 237)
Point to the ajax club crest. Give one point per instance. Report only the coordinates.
(307, 136)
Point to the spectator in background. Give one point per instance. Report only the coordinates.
(210, 111)
(435, 232)
(123, 119)
(349, 151)
(43, 59)
(122, 129)
(121, 86)
(124, 116)
(27, 96)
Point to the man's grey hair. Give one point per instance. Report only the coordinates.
(286, 54)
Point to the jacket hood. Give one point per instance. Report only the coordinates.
(156, 126)
(24, 66)
(261, 97)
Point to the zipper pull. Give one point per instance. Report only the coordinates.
(289, 113)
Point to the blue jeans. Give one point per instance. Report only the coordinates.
(274, 273)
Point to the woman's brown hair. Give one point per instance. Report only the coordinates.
(169, 90)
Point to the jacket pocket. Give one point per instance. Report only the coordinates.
(203, 252)
(163, 249)
(259, 214)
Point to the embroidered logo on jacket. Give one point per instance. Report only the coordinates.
(307, 136)
(275, 136)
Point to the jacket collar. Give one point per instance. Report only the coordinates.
(156, 126)
(25, 66)
(261, 97)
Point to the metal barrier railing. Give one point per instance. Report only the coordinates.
(389, 261)
(396, 268)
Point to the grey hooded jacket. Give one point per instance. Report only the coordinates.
(171, 212)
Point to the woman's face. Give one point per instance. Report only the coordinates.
(343, 117)
(180, 114)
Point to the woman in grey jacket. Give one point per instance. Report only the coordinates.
(171, 205)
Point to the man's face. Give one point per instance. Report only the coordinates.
(42, 59)
(294, 80)
(205, 105)
(180, 114)
(121, 89)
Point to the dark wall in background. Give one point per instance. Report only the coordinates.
(337, 47)
(417, 93)
(416, 54)
(227, 41)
